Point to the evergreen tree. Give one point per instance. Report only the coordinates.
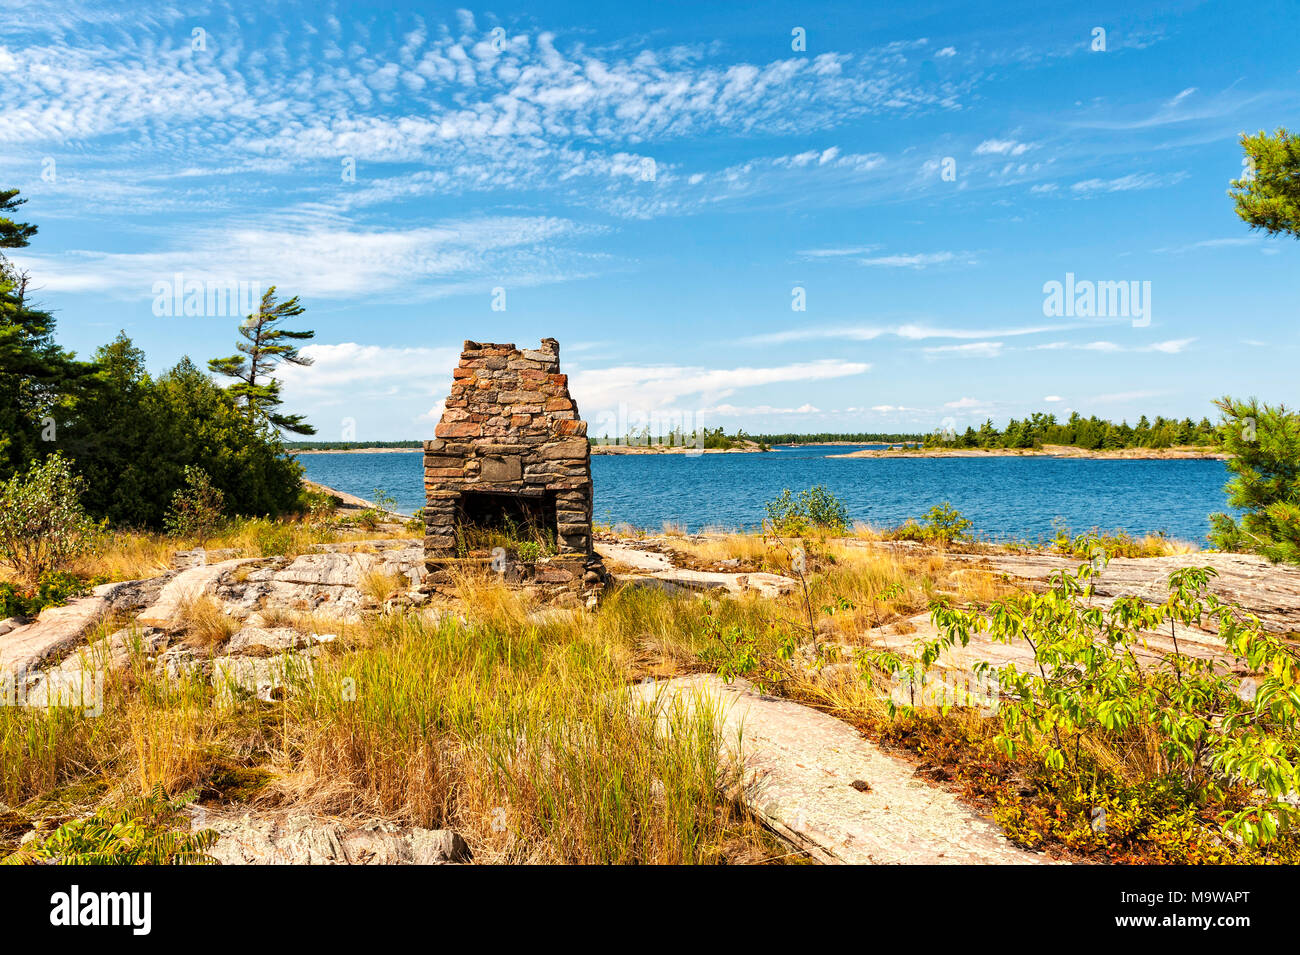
(113, 439)
(1265, 444)
(13, 235)
(1269, 197)
(35, 373)
(207, 428)
(265, 346)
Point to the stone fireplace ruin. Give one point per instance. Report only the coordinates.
(510, 466)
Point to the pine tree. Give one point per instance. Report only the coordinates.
(13, 235)
(1265, 444)
(35, 373)
(265, 346)
(1268, 197)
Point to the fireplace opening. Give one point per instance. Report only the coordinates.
(485, 518)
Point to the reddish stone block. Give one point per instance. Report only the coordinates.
(458, 429)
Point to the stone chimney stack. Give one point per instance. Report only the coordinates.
(510, 445)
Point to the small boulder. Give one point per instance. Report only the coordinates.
(265, 640)
(435, 846)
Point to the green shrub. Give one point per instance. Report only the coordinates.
(274, 539)
(43, 526)
(320, 508)
(133, 434)
(813, 509)
(147, 830)
(383, 504)
(945, 524)
(196, 508)
(1215, 733)
(52, 590)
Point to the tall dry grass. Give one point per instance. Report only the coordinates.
(128, 555)
(205, 623)
(523, 736)
(149, 728)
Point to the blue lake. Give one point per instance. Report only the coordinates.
(1004, 497)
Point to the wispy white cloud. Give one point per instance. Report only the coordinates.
(910, 331)
(968, 350)
(1128, 183)
(346, 367)
(1002, 147)
(329, 257)
(1224, 243)
(920, 260)
(1172, 346)
(735, 411)
(478, 110)
(656, 387)
(841, 252)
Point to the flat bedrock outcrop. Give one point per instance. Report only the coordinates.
(821, 785)
(25, 647)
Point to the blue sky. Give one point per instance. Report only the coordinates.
(657, 186)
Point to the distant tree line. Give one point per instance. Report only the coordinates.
(711, 439)
(829, 438)
(1091, 433)
(130, 436)
(348, 445)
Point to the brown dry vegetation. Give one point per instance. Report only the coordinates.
(511, 722)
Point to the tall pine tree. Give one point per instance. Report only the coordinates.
(35, 373)
(265, 346)
(1264, 442)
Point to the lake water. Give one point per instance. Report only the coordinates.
(1004, 497)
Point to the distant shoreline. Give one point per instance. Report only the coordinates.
(1046, 451)
(844, 444)
(665, 449)
(595, 449)
(1050, 451)
(352, 450)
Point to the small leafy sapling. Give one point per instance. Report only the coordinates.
(1093, 679)
(945, 524)
(43, 526)
(197, 508)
